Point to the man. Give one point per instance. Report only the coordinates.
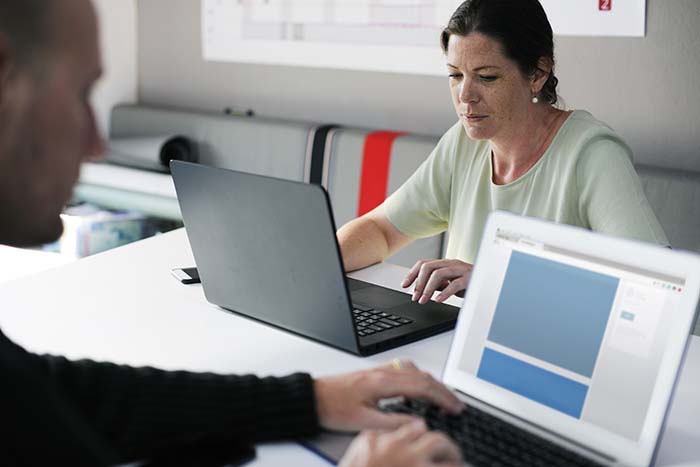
(58, 412)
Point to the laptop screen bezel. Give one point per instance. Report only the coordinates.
(627, 252)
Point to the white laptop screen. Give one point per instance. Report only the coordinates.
(576, 334)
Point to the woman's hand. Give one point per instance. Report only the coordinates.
(412, 445)
(450, 276)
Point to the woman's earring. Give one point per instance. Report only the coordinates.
(535, 100)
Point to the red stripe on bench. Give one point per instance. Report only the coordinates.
(374, 180)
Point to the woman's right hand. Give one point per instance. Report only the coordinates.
(449, 276)
(412, 445)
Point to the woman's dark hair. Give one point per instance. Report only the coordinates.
(520, 26)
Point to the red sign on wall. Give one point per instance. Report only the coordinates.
(605, 5)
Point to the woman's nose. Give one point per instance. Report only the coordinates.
(467, 93)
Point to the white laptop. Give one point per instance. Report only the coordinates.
(575, 336)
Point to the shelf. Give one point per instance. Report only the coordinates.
(124, 188)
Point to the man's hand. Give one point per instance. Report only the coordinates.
(349, 402)
(409, 446)
(450, 276)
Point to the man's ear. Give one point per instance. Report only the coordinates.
(541, 74)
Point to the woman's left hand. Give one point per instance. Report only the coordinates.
(449, 276)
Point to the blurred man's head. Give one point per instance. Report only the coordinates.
(49, 61)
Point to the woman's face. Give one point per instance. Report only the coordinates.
(489, 92)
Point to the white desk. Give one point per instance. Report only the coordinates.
(124, 306)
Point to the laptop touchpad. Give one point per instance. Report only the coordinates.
(379, 297)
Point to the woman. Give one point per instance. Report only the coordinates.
(512, 149)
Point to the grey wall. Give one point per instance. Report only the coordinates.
(645, 88)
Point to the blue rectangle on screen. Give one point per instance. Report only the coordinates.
(535, 383)
(554, 312)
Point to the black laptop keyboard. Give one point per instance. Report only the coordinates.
(486, 440)
(369, 321)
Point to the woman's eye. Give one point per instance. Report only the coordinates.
(488, 78)
(454, 75)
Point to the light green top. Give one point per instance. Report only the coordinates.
(585, 178)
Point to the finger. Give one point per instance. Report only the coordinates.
(437, 278)
(408, 432)
(405, 365)
(358, 449)
(375, 419)
(417, 385)
(443, 285)
(437, 447)
(366, 437)
(453, 288)
(424, 274)
(412, 274)
(408, 365)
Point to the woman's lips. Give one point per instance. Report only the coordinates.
(473, 117)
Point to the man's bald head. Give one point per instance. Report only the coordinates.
(26, 28)
(49, 62)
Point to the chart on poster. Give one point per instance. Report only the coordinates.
(376, 35)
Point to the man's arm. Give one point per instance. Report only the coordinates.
(107, 411)
(144, 412)
(141, 411)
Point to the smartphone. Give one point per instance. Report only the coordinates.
(186, 275)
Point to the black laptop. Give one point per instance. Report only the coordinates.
(266, 249)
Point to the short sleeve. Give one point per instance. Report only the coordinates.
(612, 200)
(421, 206)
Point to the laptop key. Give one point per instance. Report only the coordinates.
(389, 322)
(362, 307)
(487, 440)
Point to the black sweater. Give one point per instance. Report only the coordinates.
(59, 412)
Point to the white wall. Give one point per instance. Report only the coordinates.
(118, 38)
(645, 88)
